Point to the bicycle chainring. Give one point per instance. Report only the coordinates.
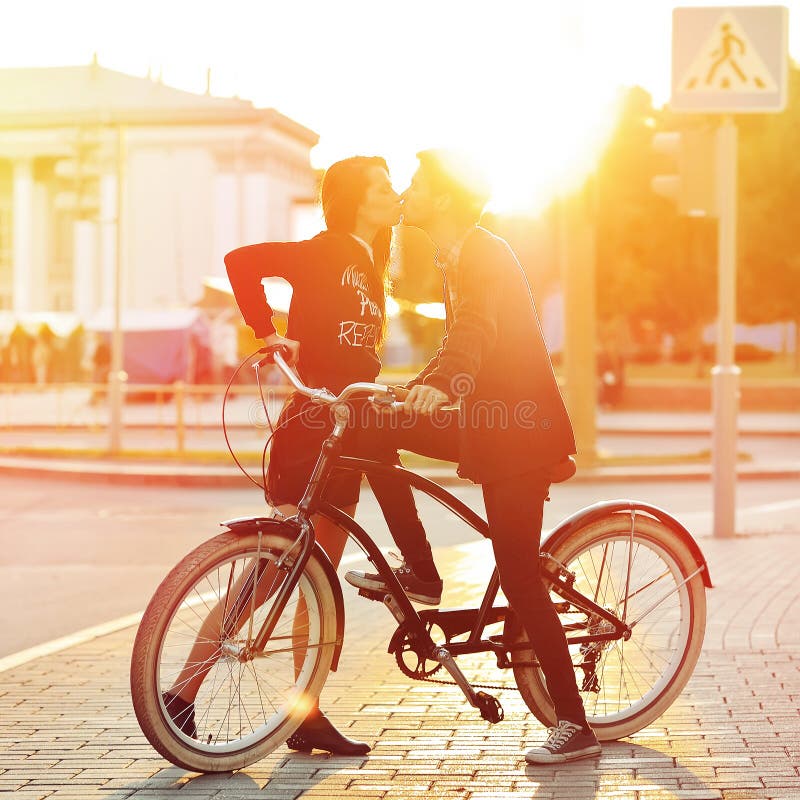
(411, 657)
(414, 664)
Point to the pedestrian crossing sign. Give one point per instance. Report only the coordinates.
(729, 59)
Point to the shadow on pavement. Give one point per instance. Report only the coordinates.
(622, 766)
(294, 772)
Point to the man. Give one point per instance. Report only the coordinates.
(509, 433)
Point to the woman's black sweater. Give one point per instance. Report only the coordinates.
(337, 304)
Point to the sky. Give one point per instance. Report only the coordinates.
(527, 87)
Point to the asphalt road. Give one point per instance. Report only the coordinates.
(76, 555)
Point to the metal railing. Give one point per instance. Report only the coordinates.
(177, 407)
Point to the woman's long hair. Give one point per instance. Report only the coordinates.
(343, 188)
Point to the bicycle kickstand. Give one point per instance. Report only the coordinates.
(489, 706)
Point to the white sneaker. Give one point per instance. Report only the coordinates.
(428, 592)
(566, 742)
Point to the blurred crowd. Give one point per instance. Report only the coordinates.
(44, 357)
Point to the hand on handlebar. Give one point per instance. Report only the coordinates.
(400, 393)
(425, 399)
(421, 399)
(391, 402)
(291, 348)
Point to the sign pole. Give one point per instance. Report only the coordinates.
(728, 60)
(725, 375)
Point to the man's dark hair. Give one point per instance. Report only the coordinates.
(454, 174)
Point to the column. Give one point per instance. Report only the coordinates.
(226, 218)
(23, 235)
(254, 209)
(239, 171)
(84, 269)
(580, 357)
(108, 240)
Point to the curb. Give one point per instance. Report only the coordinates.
(104, 629)
(197, 476)
(66, 642)
(125, 474)
(786, 433)
(602, 430)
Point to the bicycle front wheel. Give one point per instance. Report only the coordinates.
(637, 568)
(195, 640)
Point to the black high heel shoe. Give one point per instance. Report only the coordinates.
(318, 732)
(181, 712)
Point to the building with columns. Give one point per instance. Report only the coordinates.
(197, 175)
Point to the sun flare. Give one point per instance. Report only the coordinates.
(528, 89)
(534, 111)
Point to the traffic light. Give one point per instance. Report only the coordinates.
(78, 179)
(692, 186)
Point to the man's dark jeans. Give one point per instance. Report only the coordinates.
(514, 508)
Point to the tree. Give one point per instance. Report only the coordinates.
(769, 207)
(652, 264)
(626, 212)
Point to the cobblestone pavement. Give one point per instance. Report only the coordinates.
(67, 728)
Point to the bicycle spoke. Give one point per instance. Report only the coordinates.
(200, 668)
(638, 573)
(599, 575)
(607, 574)
(270, 682)
(184, 622)
(649, 584)
(266, 654)
(204, 649)
(188, 636)
(214, 691)
(671, 592)
(258, 689)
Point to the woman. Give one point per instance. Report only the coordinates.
(336, 322)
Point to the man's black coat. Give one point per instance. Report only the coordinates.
(512, 418)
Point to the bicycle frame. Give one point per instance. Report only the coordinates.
(412, 624)
(453, 622)
(487, 613)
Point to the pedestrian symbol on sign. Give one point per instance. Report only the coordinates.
(728, 62)
(726, 51)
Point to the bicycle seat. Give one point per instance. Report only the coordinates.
(563, 470)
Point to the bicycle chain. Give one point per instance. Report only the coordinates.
(408, 672)
(473, 685)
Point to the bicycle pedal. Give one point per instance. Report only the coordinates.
(490, 707)
(372, 595)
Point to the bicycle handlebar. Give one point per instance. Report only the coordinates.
(378, 390)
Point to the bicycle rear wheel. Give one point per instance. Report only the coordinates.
(194, 639)
(625, 685)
